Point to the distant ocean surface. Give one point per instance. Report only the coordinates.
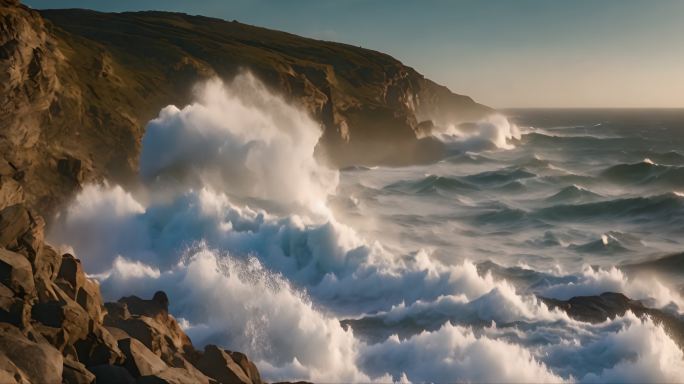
(427, 273)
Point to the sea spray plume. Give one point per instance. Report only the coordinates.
(240, 139)
(495, 131)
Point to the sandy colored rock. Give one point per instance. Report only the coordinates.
(76, 373)
(247, 366)
(16, 273)
(14, 221)
(99, 348)
(40, 363)
(140, 361)
(217, 363)
(174, 376)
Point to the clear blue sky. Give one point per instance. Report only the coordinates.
(504, 53)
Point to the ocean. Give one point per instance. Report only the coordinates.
(425, 273)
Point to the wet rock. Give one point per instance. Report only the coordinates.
(596, 309)
(608, 305)
(140, 361)
(39, 362)
(217, 363)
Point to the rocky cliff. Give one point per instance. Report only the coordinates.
(79, 86)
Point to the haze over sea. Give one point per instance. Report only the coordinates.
(422, 273)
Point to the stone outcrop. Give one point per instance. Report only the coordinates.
(55, 328)
(608, 305)
(77, 88)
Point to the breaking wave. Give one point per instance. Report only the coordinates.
(233, 221)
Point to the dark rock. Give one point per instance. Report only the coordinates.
(16, 273)
(608, 305)
(217, 363)
(596, 309)
(70, 168)
(99, 348)
(140, 361)
(76, 373)
(111, 374)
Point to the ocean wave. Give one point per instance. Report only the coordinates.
(431, 184)
(665, 207)
(493, 132)
(573, 194)
(275, 282)
(500, 177)
(645, 172)
(537, 139)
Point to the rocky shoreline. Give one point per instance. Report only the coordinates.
(54, 326)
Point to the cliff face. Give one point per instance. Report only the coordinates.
(79, 86)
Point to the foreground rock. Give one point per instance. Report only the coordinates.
(54, 327)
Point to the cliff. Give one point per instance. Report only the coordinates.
(79, 86)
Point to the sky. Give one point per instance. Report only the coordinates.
(503, 53)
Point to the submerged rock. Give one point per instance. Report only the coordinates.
(608, 305)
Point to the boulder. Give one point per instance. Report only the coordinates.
(157, 307)
(65, 314)
(46, 263)
(111, 374)
(175, 376)
(149, 322)
(39, 362)
(13, 310)
(70, 276)
(11, 192)
(16, 273)
(217, 363)
(76, 373)
(88, 297)
(140, 361)
(99, 348)
(10, 373)
(247, 366)
(14, 222)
